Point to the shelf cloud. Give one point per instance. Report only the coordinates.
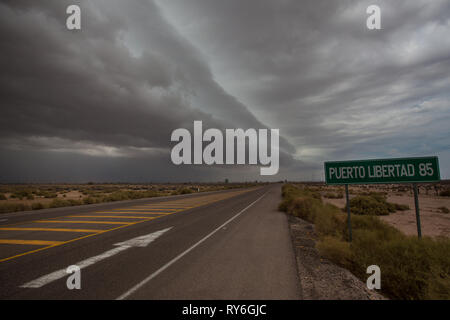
(100, 103)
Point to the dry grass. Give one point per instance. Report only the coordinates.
(38, 196)
(410, 268)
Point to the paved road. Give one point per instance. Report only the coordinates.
(223, 245)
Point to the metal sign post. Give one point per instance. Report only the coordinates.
(416, 203)
(349, 222)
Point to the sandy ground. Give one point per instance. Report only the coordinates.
(434, 222)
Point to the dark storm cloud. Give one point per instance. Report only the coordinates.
(113, 92)
(334, 88)
(89, 85)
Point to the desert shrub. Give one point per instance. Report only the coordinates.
(376, 226)
(20, 193)
(288, 192)
(444, 209)
(185, 191)
(411, 268)
(188, 191)
(73, 202)
(401, 207)
(303, 207)
(336, 250)
(124, 195)
(57, 203)
(329, 220)
(374, 203)
(302, 203)
(89, 200)
(333, 195)
(445, 193)
(37, 206)
(377, 195)
(370, 205)
(117, 196)
(49, 195)
(313, 194)
(13, 207)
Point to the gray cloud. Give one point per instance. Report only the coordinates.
(109, 95)
(336, 89)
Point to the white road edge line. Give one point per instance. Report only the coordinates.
(168, 264)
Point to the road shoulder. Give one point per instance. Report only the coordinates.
(319, 278)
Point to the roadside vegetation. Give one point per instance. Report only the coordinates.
(374, 203)
(444, 209)
(15, 198)
(334, 195)
(410, 268)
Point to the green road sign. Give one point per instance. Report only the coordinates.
(402, 170)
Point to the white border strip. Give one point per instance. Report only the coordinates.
(168, 264)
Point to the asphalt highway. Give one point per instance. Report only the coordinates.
(221, 245)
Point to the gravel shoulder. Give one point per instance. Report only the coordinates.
(319, 278)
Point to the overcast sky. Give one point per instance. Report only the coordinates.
(99, 104)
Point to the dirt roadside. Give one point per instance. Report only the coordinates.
(319, 278)
(434, 222)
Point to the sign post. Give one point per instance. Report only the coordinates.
(398, 170)
(416, 204)
(349, 222)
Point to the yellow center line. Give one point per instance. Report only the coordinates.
(159, 213)
(30, 242)
(151, 214)
(125, 217)
(161, 207)
(74, 221)
(143, 209)
(147, 213)
(136, 212)
(155, 208)
(167, 206)
(52, 229)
